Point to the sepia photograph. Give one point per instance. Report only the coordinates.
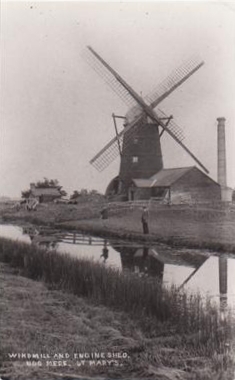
(117, 191)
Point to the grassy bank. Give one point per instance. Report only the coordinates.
(50, 321)
(192, 327)
(203, 227)
(178, 227)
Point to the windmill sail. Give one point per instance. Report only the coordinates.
(111, 150)
(108, 77)
(154, 117)
(148, 110)
(173, 81)
(172, 126)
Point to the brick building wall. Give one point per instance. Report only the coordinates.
(199, 185)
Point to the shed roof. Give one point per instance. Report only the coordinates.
(143, 182)
(164, 178)
(168, 176)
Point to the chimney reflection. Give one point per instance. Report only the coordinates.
(223, 283)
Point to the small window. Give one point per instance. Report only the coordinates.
(135, 159)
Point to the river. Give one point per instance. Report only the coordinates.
(210, 274)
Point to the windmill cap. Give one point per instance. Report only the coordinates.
(219, 119)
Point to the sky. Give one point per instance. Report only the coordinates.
(56, 111)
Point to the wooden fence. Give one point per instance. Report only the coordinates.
(205, 210)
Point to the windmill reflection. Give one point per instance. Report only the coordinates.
(178, 267)
(144, 262)
(154, 261)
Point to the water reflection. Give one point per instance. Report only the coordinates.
(66, 241)
(105, 252)
(41, 237)
(183, 269)
(141, 260)
(194, 270)
(223, 283)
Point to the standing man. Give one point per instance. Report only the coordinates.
(104, 215)
(144, 220)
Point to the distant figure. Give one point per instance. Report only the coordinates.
(27, 205)
(145, 252)
(105, 252)
(17, 206)
(34, 204)
(144, 220)
(104, 213)
(21, 204)
(31, 204)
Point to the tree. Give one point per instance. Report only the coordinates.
(94, 192)
(25, 194)
(75, 194)
(63, 192)
(48, 183)
(85, 194)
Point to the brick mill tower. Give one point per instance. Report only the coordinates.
(141, 152)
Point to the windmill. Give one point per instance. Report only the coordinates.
(138, 144)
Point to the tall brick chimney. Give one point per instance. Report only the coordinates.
(221, 173)
(226, 192)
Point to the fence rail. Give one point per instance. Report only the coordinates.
(214, 208)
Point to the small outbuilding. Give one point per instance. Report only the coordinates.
(176, 185)
(44, 194)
